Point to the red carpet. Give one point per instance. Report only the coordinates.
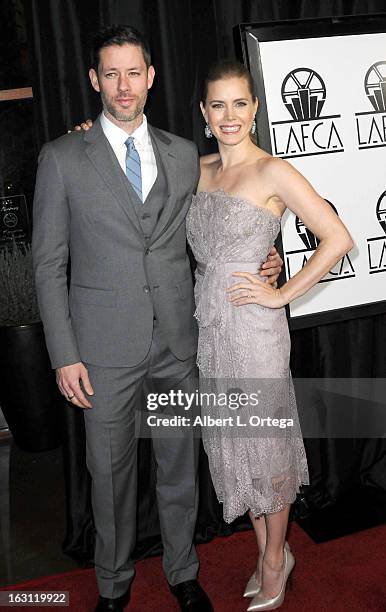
(344, 575)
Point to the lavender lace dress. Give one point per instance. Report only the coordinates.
(243, 350)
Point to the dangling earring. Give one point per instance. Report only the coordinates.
(208, 131)
(253, 127)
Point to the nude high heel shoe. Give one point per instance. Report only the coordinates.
(253, 586)
(258, 603)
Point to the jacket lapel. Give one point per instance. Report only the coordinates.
(104, 159)
(167, 155)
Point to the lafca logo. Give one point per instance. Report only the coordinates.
(308, 132)
(296, 260)
(376, 247)
(371, 125)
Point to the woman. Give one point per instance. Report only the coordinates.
(243, 333)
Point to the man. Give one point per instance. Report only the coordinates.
(114, 198)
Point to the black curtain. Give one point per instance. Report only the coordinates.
(185, 37)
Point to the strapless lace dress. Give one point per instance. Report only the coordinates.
(256, 458)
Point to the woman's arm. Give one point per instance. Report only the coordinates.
(318, 216)
(285, 184)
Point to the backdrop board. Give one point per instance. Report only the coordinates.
(321, 85)
(14, 221)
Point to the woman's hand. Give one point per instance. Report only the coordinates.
(83, 126)
(254, 291)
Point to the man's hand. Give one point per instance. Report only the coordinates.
(83, 126)
(271, 268)
(68, 380)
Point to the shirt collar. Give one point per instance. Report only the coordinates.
(118, 136)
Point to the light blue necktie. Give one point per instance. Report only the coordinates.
(133, 167)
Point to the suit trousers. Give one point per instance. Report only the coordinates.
(111, 439)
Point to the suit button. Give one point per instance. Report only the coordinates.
(146, 216)
(146, 289)
(147, 251)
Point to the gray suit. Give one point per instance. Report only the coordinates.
(128, 315)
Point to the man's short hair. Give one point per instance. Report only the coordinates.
(118, 34)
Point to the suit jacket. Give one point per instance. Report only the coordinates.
(83, 209)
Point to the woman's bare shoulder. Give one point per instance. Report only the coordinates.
(268, 167)
(207, 160)
(270, 163)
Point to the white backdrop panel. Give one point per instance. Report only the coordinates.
(353, 180)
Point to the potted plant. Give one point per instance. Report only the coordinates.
(29, 397)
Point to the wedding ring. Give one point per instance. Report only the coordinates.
(70, 396)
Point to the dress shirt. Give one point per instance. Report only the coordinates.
(142, 141)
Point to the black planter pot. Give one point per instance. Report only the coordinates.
(29, 398)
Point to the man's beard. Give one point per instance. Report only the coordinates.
(121, 116)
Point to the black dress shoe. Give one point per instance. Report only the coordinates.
(105, 604)
(191, 597)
